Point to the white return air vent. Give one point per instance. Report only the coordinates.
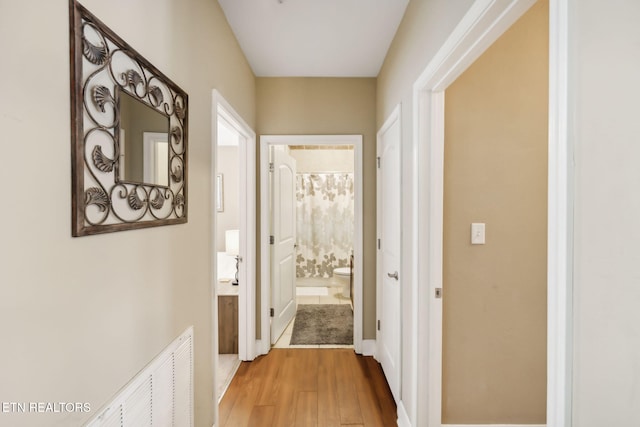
(160, 395)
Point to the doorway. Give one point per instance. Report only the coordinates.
(495, 237)
(232, 242)
(478, 30)
(314, 262)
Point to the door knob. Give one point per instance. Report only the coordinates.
(394, 275)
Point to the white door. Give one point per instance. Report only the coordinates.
(283, 273)
(389, 253)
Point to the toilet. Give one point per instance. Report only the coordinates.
(343, 275)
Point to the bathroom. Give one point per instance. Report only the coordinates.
(324, 221)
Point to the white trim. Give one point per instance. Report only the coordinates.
(403, 417)
(485, 21)
(560, 225)
(369, 348)
(247, 207)
(356, 141)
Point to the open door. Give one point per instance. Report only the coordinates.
(283, 249)
(389, 280)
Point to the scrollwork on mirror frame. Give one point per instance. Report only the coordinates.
(102, 66)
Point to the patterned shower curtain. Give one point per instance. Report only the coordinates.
(324, 223)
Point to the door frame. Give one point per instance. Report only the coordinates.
(394, 117)
(247, 207)
(485, 21)
(264, 344)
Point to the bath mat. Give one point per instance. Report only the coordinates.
(317, 324)
(312, 291)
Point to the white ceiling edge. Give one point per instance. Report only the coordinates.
(314, 38)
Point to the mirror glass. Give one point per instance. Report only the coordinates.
(143, 139)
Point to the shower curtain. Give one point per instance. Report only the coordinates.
(324, 222)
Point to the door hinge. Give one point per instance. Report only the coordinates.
(378, 159)
(378, 243)
(378, 325)
(272, 312)
(438, 293)
(271, 240)
(271, 167)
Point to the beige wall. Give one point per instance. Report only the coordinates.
(604, 129)
(81, 316)
(323, 106)
(228, 166)
(494, 305)
(423, 30)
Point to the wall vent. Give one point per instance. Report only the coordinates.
(160, 395)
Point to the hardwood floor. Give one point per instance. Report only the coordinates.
(308, 388)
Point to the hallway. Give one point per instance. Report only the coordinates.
(308, 387)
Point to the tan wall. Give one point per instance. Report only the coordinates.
(81, 316)
(228, 166)
(494, 312)
(317, 106)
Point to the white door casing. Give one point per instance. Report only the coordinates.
(283, 272)
(389, 281)
(264, 343)
(223, 111)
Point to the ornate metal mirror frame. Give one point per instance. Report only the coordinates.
(104, 68)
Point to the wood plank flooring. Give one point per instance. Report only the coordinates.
(308, 388)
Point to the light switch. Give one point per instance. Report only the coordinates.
(477, 233)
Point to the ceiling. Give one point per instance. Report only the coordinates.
(314, 38)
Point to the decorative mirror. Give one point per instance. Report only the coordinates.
(129, 135)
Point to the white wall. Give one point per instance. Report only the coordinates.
(229, 218)
(605, 91)
(81, 316)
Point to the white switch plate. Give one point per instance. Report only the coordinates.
(477, 233)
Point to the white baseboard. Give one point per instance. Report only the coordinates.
(369, 348)
(493, 425)
(403, 417)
